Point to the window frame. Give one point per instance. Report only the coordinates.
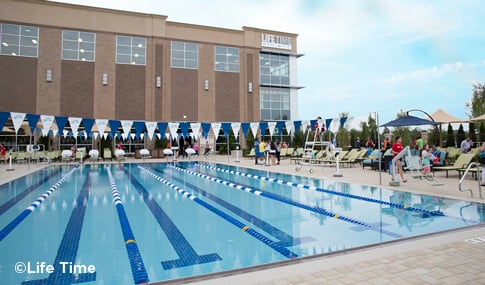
(133, 44)
(22, 39)
(84, 43)
(222, 61)
(187, 56)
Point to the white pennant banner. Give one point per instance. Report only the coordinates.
(101, 124)
(126, 126)
(151, 126)
(254, 129)
(74, 122)
(235, 129)
(47, 122)
(305, 124)
(17, 119)
(271, 126)
(289, 126)
(195, 130)
(173, 129)
(216, 127)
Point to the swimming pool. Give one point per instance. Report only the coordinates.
(129, 223)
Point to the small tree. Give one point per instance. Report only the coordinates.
(299, 138)
(482, 132)
(450, 138)
(460, 134)
(472, 132)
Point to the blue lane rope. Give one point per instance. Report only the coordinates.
(285, 239)
(17, 220)
(17, 198)
(274, 245)
(307, 187)
(279, 198)
(140, 275)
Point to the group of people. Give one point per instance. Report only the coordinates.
(427, 157)
(267, 151)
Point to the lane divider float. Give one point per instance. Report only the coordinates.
(246, 228)
(279, 198)
(17, 220)
(308, 187)
(140, 275)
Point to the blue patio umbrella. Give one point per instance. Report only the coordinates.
(408, 121)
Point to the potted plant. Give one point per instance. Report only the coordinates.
(159, 146)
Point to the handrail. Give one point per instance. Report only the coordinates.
(479, 169)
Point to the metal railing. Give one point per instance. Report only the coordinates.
(479, 172)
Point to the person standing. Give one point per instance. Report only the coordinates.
(278, 152)
(396, 149)
(426, 160)
(3, 153)
(256, 151)
(370, 145)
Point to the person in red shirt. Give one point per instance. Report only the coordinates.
(3, 153)
(396, 149)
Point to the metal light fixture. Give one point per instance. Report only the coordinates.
(159, 82)
(206, 85)
(250, 87)
(48, 75)
(105, 79)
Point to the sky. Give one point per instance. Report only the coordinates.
(359, 56)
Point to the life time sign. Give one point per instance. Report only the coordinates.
(274, 41)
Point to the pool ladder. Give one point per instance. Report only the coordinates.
(479, 172)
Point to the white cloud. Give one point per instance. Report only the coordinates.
(483, 62)
(433, 72)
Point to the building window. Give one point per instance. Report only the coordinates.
(131, 50)
(18, 40)
(184, 55)
(275, 104)
(274, 69)
(78, 45)
(227, 59)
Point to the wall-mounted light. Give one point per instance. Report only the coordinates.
(206, 85)
(105, 79)
(48, 75)
(250, 87)
(159, 82)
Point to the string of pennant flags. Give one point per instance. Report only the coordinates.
(105, 128)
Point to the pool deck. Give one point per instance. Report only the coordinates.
(454, 257)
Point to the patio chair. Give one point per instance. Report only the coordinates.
(107, 154)
(461, 162)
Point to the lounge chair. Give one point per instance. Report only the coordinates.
(461, 162)
(373, 156)
(251, 154)
(354, 156)
(283, 152)
(289, 151)
(107, 154)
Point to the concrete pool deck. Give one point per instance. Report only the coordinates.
(453, 257)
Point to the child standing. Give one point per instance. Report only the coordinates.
(425, 160)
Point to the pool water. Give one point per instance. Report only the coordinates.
(138, 223)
